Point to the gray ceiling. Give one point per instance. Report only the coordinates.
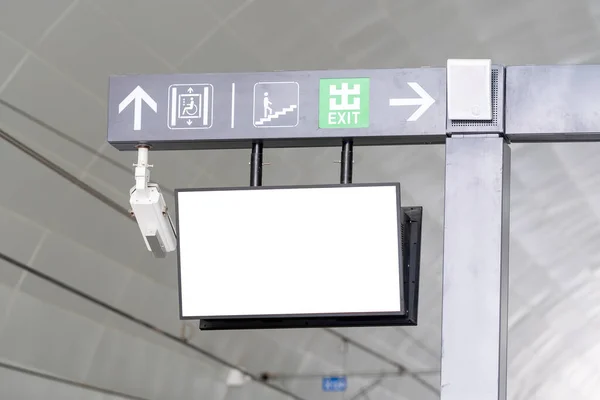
(55, 58)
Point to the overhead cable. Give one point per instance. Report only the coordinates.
(143, 323)
(385, 359)
(69, 382)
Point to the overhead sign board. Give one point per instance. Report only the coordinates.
(186, 111)
(277, 253)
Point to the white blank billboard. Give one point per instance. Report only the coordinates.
(293, 251)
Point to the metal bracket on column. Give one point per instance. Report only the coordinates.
(475, 97)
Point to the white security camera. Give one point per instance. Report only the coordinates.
(150, 210)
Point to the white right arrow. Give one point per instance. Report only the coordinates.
(425, 101)
(138, 95)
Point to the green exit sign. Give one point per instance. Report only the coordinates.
(344, 103)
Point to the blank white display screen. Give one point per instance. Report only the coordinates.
(297, 251)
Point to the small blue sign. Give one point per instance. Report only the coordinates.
(334, 384)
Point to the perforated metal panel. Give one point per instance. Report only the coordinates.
(496, 124)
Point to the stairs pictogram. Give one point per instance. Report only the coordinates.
(276, 115)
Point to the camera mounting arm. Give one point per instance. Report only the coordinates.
(150, 209)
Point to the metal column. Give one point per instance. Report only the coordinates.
(475, 268)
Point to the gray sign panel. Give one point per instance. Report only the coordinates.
(303, 108)
(553, 103)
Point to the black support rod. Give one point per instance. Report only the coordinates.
(256, 164)
(346, 162)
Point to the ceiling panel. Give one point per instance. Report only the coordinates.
(12, 54)
(83, 268)
(400, 345)
(40, 334)
(170, 29)
(409, 388)
(28, 20)
(70, 157)
(89, 62)
(252, 391)
(266, 355)
(20, 239)
(267, 26)
(225, 10)
(298, 166)
(172, 169)
(67, 155)
(222, 52)
(152, 301)
(59, 298)
(58, 102)
(302, 52)
(41, 195)
(128, 364)
(412, 352)
(6, 299)
(19, 386)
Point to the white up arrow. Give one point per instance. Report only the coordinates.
(138, 95)
(424, 101)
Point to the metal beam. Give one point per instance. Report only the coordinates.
(475, 268)
(319, 108)
(556, 103)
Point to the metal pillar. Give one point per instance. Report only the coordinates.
(475, 268)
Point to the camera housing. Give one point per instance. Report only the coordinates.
(149, 208)
(150, 211)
